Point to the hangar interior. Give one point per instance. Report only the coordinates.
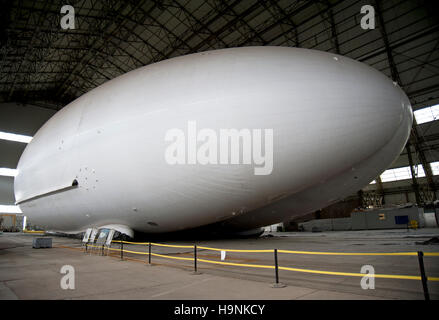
(43, 67)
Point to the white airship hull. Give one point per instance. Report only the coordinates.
(336, 123)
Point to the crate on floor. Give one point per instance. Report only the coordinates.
(42, 243)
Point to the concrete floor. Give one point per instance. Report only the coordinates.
(27, 273)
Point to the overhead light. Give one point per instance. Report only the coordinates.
(8, 172)
(10, 209)
(15, 137)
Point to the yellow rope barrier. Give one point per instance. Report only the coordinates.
(385, 276)
(170, 245)
(237, 264)
(349, 274)
(234, 250)
(431, 254)
(124, 250)
(136, 252)
(139, 243)
(351, 253)
(170, 257)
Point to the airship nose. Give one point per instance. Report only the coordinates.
(346, 112)
(392, 114)
(378, 107)
(379, 125)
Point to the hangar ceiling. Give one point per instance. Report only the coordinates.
(42, 64)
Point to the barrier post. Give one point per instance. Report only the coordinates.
(423, 276)
(277, 284)
(121, 250)
(149, 254)
(195, 261)
(86, 247)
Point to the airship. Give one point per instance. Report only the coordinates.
(228, 140)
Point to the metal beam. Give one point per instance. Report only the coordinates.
(380, 189)
(414, 180)
(414, 132)
(425, 164)
(334, 36)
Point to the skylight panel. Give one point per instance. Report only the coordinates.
(427, 114)
(435, 168)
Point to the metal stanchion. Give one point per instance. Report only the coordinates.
(195, 261)
(277, 284)
(149, 255)
(423, 276)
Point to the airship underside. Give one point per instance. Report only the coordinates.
(238, 138)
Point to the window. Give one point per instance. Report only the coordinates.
(396, 174)
(427, 114)
(435, 168)
(403, 173)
